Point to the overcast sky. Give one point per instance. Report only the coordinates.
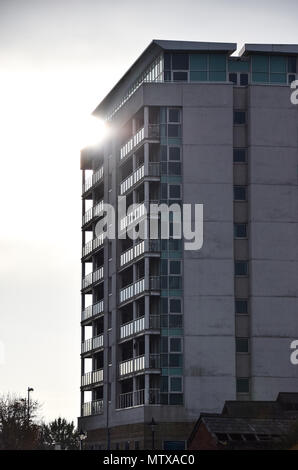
(58, 59)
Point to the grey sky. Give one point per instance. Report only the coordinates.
(58, 59)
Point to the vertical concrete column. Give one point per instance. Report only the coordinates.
(146, 122)
(147, 387)
(147, 274)
(146, 158)
(147, 312)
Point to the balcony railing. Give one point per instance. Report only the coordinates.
(132, 179)
(92, 245)
(132, 253)
(133, 289)
(94, 407)
(132, 143)
(132, 327)
(137, 398)
(133, 216)
(92, 212)
(92, 310)
(94, 179)
(92, 377)
(132, 365)
(92, 343)
(92, 278)
(153, 131)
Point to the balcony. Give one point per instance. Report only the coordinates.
(92, 343)
(92, 213)
(132, 253)
(153, 131)
(154, 361)
(154, 282)
(135, 214)
(132, 365)
(93, 180)
(92, 278)
(137, 398)
(138, 175)
(92, 310)
(133, 289)
(93, 377)
(94, 407)
(92, 245)
(133, 327)
(132, 143)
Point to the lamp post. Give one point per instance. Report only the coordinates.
(82, 437)
(29, 389)
(153, 425)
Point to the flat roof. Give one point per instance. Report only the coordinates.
(269, 48)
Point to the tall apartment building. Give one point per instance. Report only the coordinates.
(168, 333)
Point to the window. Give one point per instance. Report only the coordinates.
(175, 282)
(175, 321)
(175, 267)
(176, 399)
(239, 117)
(241, 268)
(239, 193)
(175, 305)
(292, 64)
(242, 385)
(239, 155)
(233, 78)
(179, 61)
(174, 130)
(217, 67)
(260, 68)
(241, 306)
(174, 153)
(243, 79)
(174, 191)
(176, 384)
(180, 76)
(137, 445)
(175, 360)
(174, 445)
(278, 69)
(126, 446)
(242, 345)
(174, 168)
(175, 344)
(240, 230)
(174, 115)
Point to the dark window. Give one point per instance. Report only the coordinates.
(174, 153)
(174, 445)
(164, 384)
(137, 445)
(240, 230)
(240, 193)
(241, 306)
(233, 78)
(175, 360)
(174, 130)
(292, 64)
(164, 305)
(239, 117)
(126, 445)
(292, 78)
(242, 345)
(167, 75)
(180, 76)
(175, 191)
(175, 346)
(174, 115)
(174, 168)
(175, 321)
(175, 305)
(176, 399)
(167, 61)
(175, 267)
(243, 79)
(175, 282)
(242, 385)
(241, 268)
(179, 61)
(239, 155)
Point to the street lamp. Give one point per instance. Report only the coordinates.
(153, 425)
(29, 389)
(82, 437)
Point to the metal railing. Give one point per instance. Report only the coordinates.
(95, 178)
(92, 343)
(137, 398)
(132, 143)
(132, 365)
(92, 377)
(132, 253)
(132, 327)
(93, 277)
(133, 289)
(135, 214)
(94, 407)
(92, 310)
(93, 245)
(132, 179)
(92, 212)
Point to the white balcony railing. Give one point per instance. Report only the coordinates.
(136, 213)
(94, 407)
(92, 377)
(132, 253)
(137, 398)
(92, 310)
(132, 365)
(132, 143)
(95, 178)
(132, 179)
(92, 245)
(92, 212)
(93, 277)
(92, 343)
(132, 327)
(133, 289)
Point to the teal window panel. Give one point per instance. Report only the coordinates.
(175, 332)
(217, 76)
(176, 293)
(260, 77)
(260, 63)
(163, 140)
(175, 371)
(174, 141)
(163, 115)
(217, 62)
(164, 293)
(165, 371)
(198, 76)
(278, 64)
(164, 332)
(278, 78)
(174, 179)
(198, 61)
(238, 66)
(176, 384)
(175, 254)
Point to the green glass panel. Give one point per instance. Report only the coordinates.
(278, 78)
(217, 76)
(260, 63)
(198, 61)
(175, 371)
(198, 76)
(260, 77)
(174, 141)
(175, 332)
(217, 62)
(176, 384)
(238, 66)
(278, 64)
